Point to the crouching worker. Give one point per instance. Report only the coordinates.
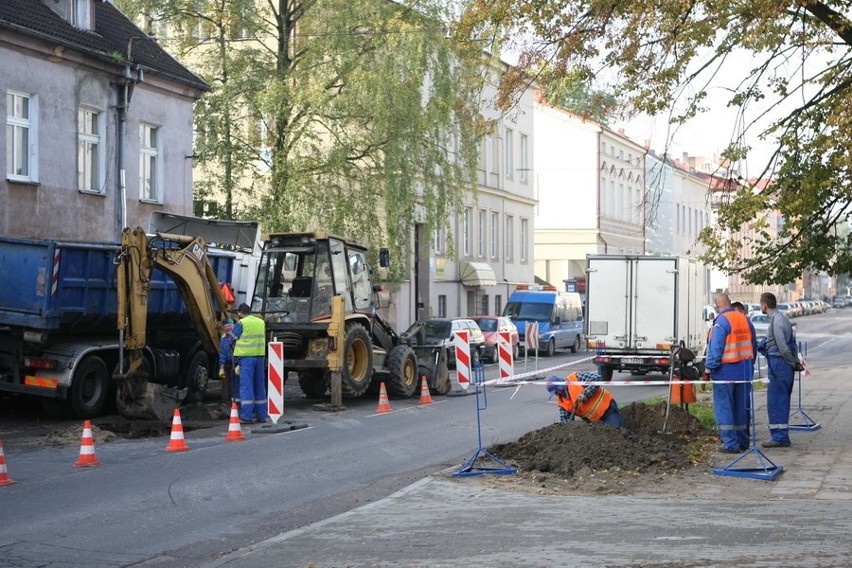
(592, 403)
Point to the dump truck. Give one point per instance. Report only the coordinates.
(298, 275)
(61, 310)
(639, 308)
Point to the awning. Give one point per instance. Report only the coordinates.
(477, 274)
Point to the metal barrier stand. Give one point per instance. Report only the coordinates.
(807, 424)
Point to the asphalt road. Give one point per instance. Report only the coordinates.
(147, 507)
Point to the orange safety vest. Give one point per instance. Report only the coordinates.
(593, 409)
(738, 342)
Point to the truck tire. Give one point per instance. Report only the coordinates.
(197, 377)
(89, 387)
(314, 383)
(606, 373)
(575, 347)
(402, 372)
(550, 351)
(357, 361)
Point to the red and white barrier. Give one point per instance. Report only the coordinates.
(461, 342)
(275, 380)
(504, 354)
(531, 335)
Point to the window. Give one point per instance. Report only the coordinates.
(149, 163)
(495, 234)
(524, 167)
(439, 240)
(90, 156)
(524, 239)
(498, 304)
(482, 235)
(466, 231)
(442, 306)
(81, 15)
(510, 240)
(508, 150)
(483, 305)
(21, 137)
(495, 154)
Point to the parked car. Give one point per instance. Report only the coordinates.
(491, 326)
(439, 331)
(788, 309)
(839, 302)
(761, 325)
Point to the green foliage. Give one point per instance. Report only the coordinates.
(666, 54)
(355, 117)
(573, 92)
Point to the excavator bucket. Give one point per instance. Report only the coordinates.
(139, 398)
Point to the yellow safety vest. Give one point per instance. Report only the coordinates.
(252, 341)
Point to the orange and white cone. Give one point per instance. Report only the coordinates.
(176, 442)
(384, 405)
(87, 448)
(4, 476)
(235, 433)
(425, 397)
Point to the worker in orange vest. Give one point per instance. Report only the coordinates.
(592, 403)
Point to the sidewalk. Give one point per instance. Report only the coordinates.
(803, 518)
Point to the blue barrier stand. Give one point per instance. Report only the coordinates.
(470, 467)
(767, 470)
(807, 424)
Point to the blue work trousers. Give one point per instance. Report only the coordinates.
(613, 416)
(730, 407)
(253, 389)
(781, 376)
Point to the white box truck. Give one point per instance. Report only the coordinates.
(639, 307)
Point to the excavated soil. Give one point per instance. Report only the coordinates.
(594, 457)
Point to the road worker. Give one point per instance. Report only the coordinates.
(592, 403)
(249, 360)
(730, 357)
(230, 386)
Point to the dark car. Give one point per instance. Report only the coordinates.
(439, 331)
(491, 326)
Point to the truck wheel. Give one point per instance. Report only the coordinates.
(357, 361)
(606, 374)
(402, 372)
(551, 348)
(313, 383)
(197, 377)
(89, 387)
(575, 347)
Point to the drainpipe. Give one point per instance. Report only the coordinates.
(125, 91)
(600, 196)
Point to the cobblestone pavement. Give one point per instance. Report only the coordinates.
(802, 518)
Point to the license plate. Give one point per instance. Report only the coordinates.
(632, 361)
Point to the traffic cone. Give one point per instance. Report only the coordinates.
(235, 433)
(384, 405)
(176, 442)
(425, 397)
(4, 477)
(87, 448)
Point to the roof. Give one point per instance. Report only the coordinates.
(114, 34)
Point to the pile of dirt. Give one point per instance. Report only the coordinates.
(583, 449)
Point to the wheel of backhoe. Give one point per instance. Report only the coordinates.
(402, 372)
(357, 361)
(89, 387)
(314, 383)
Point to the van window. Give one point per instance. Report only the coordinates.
(529, 311)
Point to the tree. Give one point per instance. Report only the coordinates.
(665, 55)
(351, 116)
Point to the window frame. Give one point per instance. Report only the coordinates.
(524, 159)
(29, 123)
(95, 139)
(508, 153)
(156, 173)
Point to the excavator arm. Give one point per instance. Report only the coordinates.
(185, 259)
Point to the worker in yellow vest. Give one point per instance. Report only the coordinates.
(589, 402)
(249, 361)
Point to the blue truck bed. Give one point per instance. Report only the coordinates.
(62, 286)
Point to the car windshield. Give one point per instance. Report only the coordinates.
(487, 324)
(432, 328)
(529, 311)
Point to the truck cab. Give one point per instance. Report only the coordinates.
(559, 316)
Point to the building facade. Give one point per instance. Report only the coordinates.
(590, 188)
(98, 122)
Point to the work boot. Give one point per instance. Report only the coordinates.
(775, 444)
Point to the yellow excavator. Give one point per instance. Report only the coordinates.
(185, 259)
